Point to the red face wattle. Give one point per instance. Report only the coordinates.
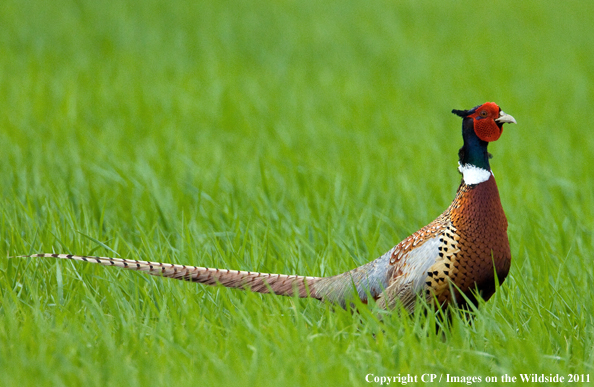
(485, 126)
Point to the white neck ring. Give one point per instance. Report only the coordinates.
(473, 174)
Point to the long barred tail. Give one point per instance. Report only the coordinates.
(280, 284)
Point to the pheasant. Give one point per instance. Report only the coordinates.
(452, 260)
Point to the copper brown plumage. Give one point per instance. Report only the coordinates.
(477, 240)
(453, 259)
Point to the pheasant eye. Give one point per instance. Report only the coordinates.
(484, 113)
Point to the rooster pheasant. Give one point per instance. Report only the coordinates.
(453, 259)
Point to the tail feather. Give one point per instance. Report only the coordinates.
(280, 284)
(370, 279)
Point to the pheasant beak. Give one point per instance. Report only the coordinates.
(505, 118)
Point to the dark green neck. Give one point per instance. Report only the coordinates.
(474, 151)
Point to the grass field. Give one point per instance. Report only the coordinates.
(292, 137)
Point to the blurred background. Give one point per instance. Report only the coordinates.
(299, 137)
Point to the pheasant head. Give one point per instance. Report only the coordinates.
(481, 125)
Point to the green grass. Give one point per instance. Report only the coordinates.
(289, 137)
